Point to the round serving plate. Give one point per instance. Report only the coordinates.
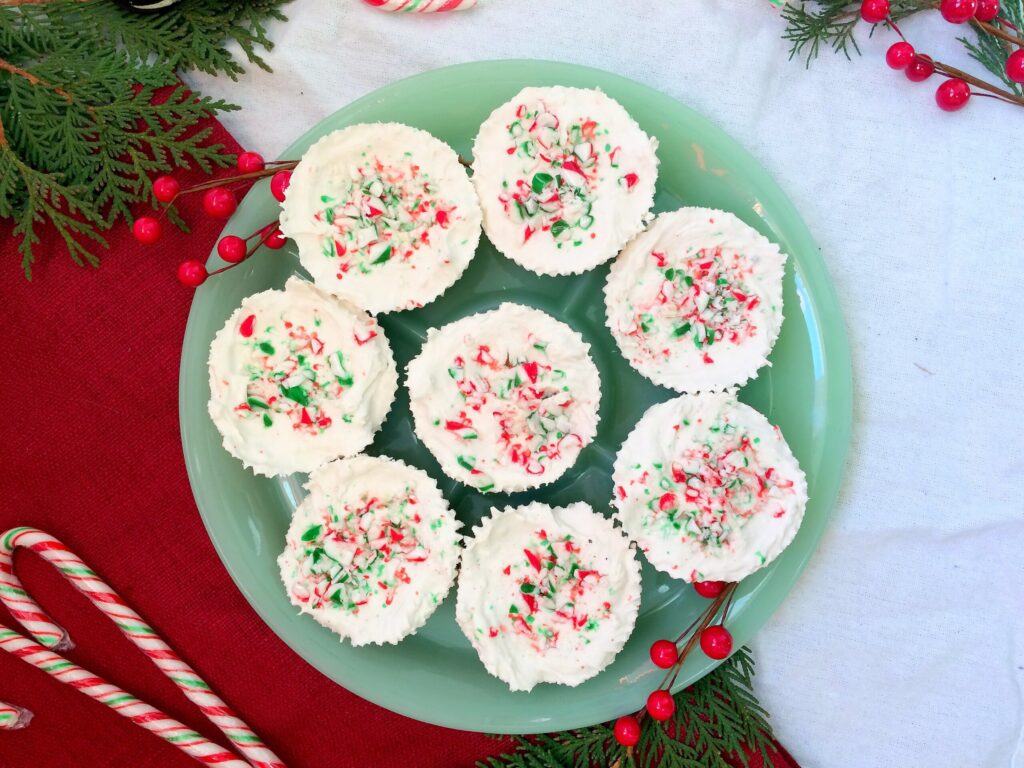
(435, 675)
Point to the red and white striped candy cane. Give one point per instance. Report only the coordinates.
(421, 6)
(51, 637)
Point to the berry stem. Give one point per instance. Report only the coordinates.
(992, 29)
(706, 618)
(728, 605)
(999, 93)
(280, 165)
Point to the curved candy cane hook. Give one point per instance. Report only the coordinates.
(52, 637)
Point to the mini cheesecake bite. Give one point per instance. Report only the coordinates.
(383, 215)
(372, 549)
(565, 178)
(695, 301)
(298, 378)
(708, 489)
(547, 594)
(505, 400)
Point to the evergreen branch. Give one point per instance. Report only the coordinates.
(832, 22)
(716, 720)
(91, 107)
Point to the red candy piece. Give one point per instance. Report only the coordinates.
(874, 11)
(899, 55)
(627, 731)
(660, 705)
(952, 94)
(147, 230)
(709, 589)
(246, 328)
(231, 248)
(279, 184)
(664, 653)
(716, 642)
(250, 162)
(166, 188)
(958, 11)
(192, 273)
(219, 202)
(920, 68)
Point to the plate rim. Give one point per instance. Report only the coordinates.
(837, 365)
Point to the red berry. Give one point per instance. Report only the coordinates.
(219, 202)
(1015, 66)
(272, 237)
(279, 184)
(249, 162)
(920, 68)
(192, 273)
(952, 94)
(664, 653)
(987, 10)
(958, 11)
(661, 705)
(899, 55)
(709, 589)
(166, 188)
(627, 731)
(716, 642)
(231, 248)
(147, 230)
(874, 11)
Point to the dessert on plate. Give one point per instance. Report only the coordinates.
(298, 378)
(547, 595)
(506, 399)
(708, 489)
(565, 178)
(695, 301)
(383, 215)
(372, 549)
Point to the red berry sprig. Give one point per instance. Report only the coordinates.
(220, 201)
(714, 640)
(954, 92)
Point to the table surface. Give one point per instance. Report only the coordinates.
(918, 214)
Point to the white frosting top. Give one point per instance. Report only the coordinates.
(565, 177)
(383, 215)
(371, 551)
(298, 378)
(708, 488)
(505, 400)
(695, 302)
(547, 595)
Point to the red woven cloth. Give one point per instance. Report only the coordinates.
(90, 452)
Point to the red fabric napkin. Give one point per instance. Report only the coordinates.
(90, 452)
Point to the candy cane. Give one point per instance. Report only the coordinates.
(421, 6)
(51, 636)
(12, 717)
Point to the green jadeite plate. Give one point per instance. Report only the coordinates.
(435, 675)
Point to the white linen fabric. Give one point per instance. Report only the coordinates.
(903, 642)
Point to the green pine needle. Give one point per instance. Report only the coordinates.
(714, 719)
(80, 136)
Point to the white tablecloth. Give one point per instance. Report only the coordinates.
(903, 643)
